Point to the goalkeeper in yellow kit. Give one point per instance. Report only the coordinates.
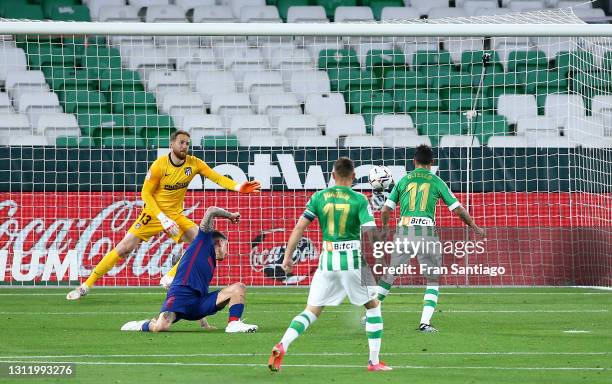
(163, 193)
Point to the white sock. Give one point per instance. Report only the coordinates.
(374, 330)
(430, 301)
(298, 325)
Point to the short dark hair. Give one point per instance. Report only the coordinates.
(174, 134)
(218, 235)
(424, 155)
(344, 167)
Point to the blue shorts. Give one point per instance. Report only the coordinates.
(189, 304)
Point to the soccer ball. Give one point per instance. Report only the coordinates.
(380, 177)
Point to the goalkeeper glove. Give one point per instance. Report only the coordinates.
(249, 187)
(378, 199)
(170, 226)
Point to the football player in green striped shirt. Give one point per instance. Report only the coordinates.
(417, 194)
(341, 213)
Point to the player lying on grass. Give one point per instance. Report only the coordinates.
(341, 213)
(163, 193)
(188, 297)
(417, 194)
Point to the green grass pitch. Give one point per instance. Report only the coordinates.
(503, 335)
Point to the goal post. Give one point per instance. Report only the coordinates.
(517, 108)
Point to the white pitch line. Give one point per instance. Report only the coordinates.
(313, 354)
(326, 311)
(149, 363)
(576, 331)
(162, 293)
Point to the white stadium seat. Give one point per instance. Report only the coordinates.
(25, 81)
(124, 14)
(298, 125)
(600, 104)
(57, 124)
(147, 3)
(260, 82)
(5, 103)
(161, 82)
(423, 6)
(324, 105)
(304, 83)
(288, 58)
(237, 5)
(24, 141)
(514, 107)
(35, 104)
(203, 125)
(150, 59)
(264, 141)
(587, 132)
(456, 46)
(251, 125)
(213, 14)
(209, 83)
(344, 125)
(14, 124)
(399, 13)
(392, 125)
(553, 45)
(11, 59)
(507, 142)
(322, 43)
(95, 5)
(459, 141)
(357, 141)
(353, 14)
(187, 5)
(278, 104)
(307, 14)
(180, 103)
(591, 15)
(228, 104)
(260, 14)
(165, 14)
(547, 140)
(526, 5)
(561, 106)
(443, 12)
(543, 125)
(571, 4)
(410, 141)
(193, 61)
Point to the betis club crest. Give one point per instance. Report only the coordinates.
(188, 171)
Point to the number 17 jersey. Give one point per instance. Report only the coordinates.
(418, 193)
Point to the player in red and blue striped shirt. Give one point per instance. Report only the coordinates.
(188, 297)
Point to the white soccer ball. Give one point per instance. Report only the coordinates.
(380, 177)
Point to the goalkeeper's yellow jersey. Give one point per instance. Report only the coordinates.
(166, 183)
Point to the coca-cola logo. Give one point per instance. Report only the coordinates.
(268, 259)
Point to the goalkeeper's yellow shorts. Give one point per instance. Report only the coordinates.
(147, 226)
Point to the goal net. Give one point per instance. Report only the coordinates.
(520, 127)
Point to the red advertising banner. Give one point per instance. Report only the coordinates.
(46, 238)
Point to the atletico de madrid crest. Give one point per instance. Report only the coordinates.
(188, 171)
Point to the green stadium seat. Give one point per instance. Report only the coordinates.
(23, 11)
(607, 61)
(151, 126)
(71, 13)
(221, 142)
(487, 125)
(354, 80)
(462, 99)
(495, 84)
(97, 59)
(574, 61)
(82, 101)
(447, 78)
(49, 5)
(102, 125)
(133, 102)
(455, 91)
(331, 5)
(435, 125)
(369, 104)
(42, 55)
(422, 59)
(523, 61)
(340, 77)
(378, 5)
(283, 6)
(74, 141)
(11, 3)
(338, 58)
(61, 78)
(542, 82)
(589, 84)
(411, 100)
(404, 79)
(120, 79)
(471, 62)
(124, 142)
(381, 61)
